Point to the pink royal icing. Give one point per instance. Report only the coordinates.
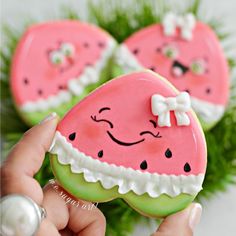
(176, 58)
(115, 125)
(36, 73)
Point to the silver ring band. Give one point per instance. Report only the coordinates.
(20, 215)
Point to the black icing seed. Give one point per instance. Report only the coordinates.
(187, 90)
(168, 153)
(100, 154)
(101, 44)
(40, 92)
(72, 136)
(86, 45)
(208, 90)
(136, 51)
(152, 68)
(187, 167)
(143, 165)
(26, 81)
(158, 50)
(61, 87)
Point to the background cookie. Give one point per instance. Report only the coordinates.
(189, 55)
(135, 138)
(56, 64)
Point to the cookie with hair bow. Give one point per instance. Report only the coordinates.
(136, 138)
(186, 52)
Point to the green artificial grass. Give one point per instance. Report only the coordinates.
(122, 21)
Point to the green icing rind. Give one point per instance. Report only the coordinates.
(76, 185)
(32, 118)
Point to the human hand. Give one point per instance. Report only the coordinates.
(17, 173)
(182, 223)
(26, 159)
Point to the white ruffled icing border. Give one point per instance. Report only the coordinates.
(126, 59)
(207, 111)
(76, 86)
(127, 179)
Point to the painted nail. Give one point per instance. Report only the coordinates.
(49, 117)
(195, 216)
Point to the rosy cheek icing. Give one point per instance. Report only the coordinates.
(153, 147)
(51, 72)
(93, 131)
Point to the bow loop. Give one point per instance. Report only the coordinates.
(185, 23)
(162, 106)
(183, 101)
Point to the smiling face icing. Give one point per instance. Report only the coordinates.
(56, 64)
(196, 65)
(111, 145)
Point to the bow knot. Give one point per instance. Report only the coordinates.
(185, 23)
(171, 103)
(162, 106)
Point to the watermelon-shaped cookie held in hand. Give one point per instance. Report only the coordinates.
(56, 64)
(134, 138)
(186, 52)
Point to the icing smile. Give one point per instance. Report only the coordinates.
(178, 69)
(123, 143)
(94, 118)
(66, 68)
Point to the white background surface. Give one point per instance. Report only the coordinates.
(219, 215)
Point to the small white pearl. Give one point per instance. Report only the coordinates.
(20, 216)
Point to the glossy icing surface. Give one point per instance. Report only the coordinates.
(115, 125)
(196, 65)
(126, 179)
(51, 54)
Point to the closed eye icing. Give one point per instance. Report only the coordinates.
(149, 132)
(94, 118)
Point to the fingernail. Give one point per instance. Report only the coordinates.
(49, 117)
(195, 216)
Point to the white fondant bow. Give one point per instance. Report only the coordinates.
(186, 24)
(161, 107)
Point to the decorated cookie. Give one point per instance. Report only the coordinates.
(189, 55)
(134, 138)
(56, 64)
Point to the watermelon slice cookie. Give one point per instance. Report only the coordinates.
(56, 64)
(189, 55)
(134, 138)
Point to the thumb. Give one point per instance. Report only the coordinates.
(27, 155)
(181, 223)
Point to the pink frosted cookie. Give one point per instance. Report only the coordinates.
(189, 55)
(56, 64)
(134, 138)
